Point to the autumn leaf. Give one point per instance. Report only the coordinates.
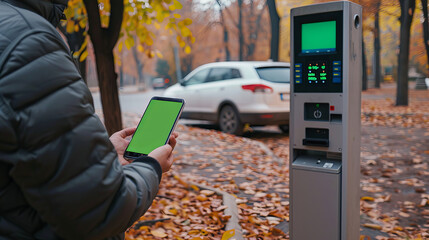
(201, 198)
(366, 198)
(83, 56)
(70, 26)
(373, 226)
(187, 21)
(187, 49)
(120, 46)
(159, 232)
(228, 234)
(140, 48)
(207, 193)
(129, 42)
(177, 4)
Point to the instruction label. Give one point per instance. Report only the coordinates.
(328, 165)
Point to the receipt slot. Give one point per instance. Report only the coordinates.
(326, 47)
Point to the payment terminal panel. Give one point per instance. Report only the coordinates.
(318, 52)
(326, 73)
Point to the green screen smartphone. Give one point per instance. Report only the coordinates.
(155, 127)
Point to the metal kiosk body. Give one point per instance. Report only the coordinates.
(326, 60)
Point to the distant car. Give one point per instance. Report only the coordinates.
(233, 94)
(160, 83)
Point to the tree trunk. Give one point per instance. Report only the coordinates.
(225, 42)
(426, 29)
(139, 64)
(254, 30)
(407, 12)
(240, 30)
(186, 62)
(377, 46)
(104, 40)
(121, 75)
(225, 32)
(364, 66)
(275, 30)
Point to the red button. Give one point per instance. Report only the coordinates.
(332, 108)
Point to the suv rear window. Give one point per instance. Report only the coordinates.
(274, 74)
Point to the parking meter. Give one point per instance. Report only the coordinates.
(326, 47)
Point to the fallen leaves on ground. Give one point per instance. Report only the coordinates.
(378, 108)
(394, 164)
(240, 167)
(178, 213)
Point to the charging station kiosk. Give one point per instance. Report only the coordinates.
(326, 76)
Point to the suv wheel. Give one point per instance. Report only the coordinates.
(229, 121)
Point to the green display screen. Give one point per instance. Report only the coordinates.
(155, 126)
(319, 37)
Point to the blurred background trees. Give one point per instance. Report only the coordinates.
(106, 22)
(134, 35)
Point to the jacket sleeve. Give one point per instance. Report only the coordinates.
(66, 166)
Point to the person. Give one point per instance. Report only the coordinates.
(61, 177)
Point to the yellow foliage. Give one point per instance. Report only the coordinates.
(185, 31)
(140, 48)
(159, 54)
(129, 9)
(187, 21)
(70, 26)
(120, 46)
(187, 49)
(150, 54)
(177, 5)
(129, 42)
(148, 41)
(83, 56)
(136, 21)
(82, 48)
(182, 44)
(82, 23)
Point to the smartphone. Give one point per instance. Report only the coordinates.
(155, 127)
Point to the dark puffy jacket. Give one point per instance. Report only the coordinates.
(59, 173)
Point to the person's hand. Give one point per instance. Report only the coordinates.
(164, 154)
(120, 142)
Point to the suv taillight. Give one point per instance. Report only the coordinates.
(257, 88)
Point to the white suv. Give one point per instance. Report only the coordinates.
(232, 94)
